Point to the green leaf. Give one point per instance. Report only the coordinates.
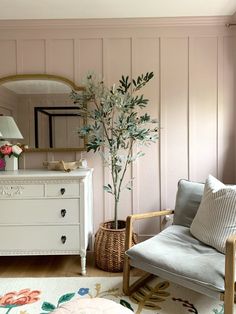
(66, 297)
(126, 304)
(46, 306)
(108, 189)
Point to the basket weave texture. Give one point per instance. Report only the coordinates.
(109, 246)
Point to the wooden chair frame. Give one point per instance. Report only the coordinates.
(228, 296)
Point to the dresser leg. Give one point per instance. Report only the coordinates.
(83, 265)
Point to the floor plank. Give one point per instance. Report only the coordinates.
(50, 266)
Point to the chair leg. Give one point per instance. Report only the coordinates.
(126, 275)
(229, 302)
(127, 288)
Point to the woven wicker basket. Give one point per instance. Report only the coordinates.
(109, 246)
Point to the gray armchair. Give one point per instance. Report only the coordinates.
(175, 255)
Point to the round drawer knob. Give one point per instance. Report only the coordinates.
(63, 239)
(63, 191)
(63, 212)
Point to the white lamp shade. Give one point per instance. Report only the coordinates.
(9, 129)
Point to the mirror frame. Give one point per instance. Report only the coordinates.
(50, 77)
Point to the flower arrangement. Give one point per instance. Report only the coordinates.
(10, 150)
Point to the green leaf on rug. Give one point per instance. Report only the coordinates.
(46, 306)
(65, 297)
(148, 297)
(126, 304)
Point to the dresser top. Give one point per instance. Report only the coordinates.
(44, 173)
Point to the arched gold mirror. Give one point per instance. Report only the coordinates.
(43, 110)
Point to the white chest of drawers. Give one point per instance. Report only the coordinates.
(46, 213)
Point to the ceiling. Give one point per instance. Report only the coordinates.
(72, 9)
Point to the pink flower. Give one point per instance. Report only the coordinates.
(25, 296)
(6, 150)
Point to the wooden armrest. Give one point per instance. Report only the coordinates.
(228, 296)
(130, 219)
(150, 214)
(231, 241)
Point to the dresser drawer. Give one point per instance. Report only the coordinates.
(10, 191)
(56, 211)
(38, 239)
(62, 189)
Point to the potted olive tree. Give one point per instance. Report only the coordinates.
(115, 125)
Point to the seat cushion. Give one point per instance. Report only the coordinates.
(215, 220)
(188, 199)
(174, 254)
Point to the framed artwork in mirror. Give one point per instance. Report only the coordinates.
(43, 110)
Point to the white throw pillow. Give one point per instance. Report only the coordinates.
(215, 220)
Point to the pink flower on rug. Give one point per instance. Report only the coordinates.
(14, 299)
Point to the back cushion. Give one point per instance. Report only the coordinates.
(188, 199)
(215, 220)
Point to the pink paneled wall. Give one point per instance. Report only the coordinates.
(192, 95)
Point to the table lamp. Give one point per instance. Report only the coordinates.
(8, 130)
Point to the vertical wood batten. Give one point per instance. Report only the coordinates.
(107, 204)
(190, 105)
(48, 56)
(118, 63)
(135, 165)
(19, 57)
(77, 62)
(188, 114)
(146, 59)
(76, 47)
(174, 115)
(203, 121)
(220, 83)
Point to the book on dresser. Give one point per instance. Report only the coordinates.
(46, 212)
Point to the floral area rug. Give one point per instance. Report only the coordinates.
(43, 295)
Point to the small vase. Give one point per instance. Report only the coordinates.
(83, 163)
(11, 163)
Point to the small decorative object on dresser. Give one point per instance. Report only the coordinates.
(61, 165)
(46, 213)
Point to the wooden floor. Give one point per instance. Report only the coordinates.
(50, 266)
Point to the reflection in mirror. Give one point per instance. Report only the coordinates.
(44, 112)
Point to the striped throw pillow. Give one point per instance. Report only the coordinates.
(215, 220)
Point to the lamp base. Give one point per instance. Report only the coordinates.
(11, 163)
